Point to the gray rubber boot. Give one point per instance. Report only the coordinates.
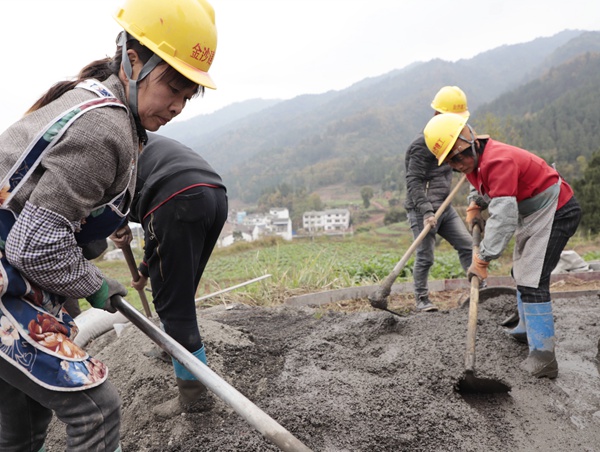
(193, 398)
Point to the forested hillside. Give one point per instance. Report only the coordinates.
(558, 115)
(543, 94)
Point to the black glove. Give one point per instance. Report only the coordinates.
(101, 298)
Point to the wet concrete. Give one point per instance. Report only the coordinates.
(367, 381)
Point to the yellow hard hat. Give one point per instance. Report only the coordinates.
(451, 99)
(441, 132)
(181, 32)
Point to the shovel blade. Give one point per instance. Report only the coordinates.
(379, 300)
(394, 312)
(470, 384)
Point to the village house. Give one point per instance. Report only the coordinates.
(250, 227)
(326, 221)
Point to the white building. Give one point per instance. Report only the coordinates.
(281, 223)
(280, 213)
(253, 227)
(332, 220)
(231, 238)
(276, 222)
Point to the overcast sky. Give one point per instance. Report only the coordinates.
(279, 49)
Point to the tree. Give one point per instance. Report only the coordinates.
(500, 129)
(303, 204)
(394, 202)
(587, 191)
(394, 215)
(366, 193)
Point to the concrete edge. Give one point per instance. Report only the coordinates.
(360, 292)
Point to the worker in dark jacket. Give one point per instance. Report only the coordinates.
(427, 186)
(181, 203)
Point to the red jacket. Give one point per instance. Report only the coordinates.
(505, 170)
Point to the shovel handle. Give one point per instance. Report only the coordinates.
(130, 259)
(476, 238)
(386, 286)
(473, 302)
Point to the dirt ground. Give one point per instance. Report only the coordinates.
(366, 381)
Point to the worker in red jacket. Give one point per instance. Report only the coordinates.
(525, 197)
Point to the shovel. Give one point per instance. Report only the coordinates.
(130, 259)
(378, 299)
(470, 383)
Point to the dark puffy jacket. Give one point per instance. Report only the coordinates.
(167, 167)
(427, 184)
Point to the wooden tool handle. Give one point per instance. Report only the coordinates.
(130, 259)
(386, 286)
(473, 302)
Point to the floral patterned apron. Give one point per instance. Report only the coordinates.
(36, 333)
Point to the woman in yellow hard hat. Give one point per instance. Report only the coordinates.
(68, 172)
(525, 197)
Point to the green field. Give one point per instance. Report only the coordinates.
(322, 263)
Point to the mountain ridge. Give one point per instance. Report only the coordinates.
(359, 134)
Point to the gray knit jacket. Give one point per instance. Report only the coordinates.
(88, 166)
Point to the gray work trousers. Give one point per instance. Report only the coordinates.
(92, 416)
(453, 230)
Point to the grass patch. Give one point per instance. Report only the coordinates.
(318, 264)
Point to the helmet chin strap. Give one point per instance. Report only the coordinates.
(472, 143)
(148, 67)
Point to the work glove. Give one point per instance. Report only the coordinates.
(474, 217)
(478, 268)
(430, 220)
(101, 298)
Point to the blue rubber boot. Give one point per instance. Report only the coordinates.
(519, 332)
(193, 395)
(184, 374)
(539, 323)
